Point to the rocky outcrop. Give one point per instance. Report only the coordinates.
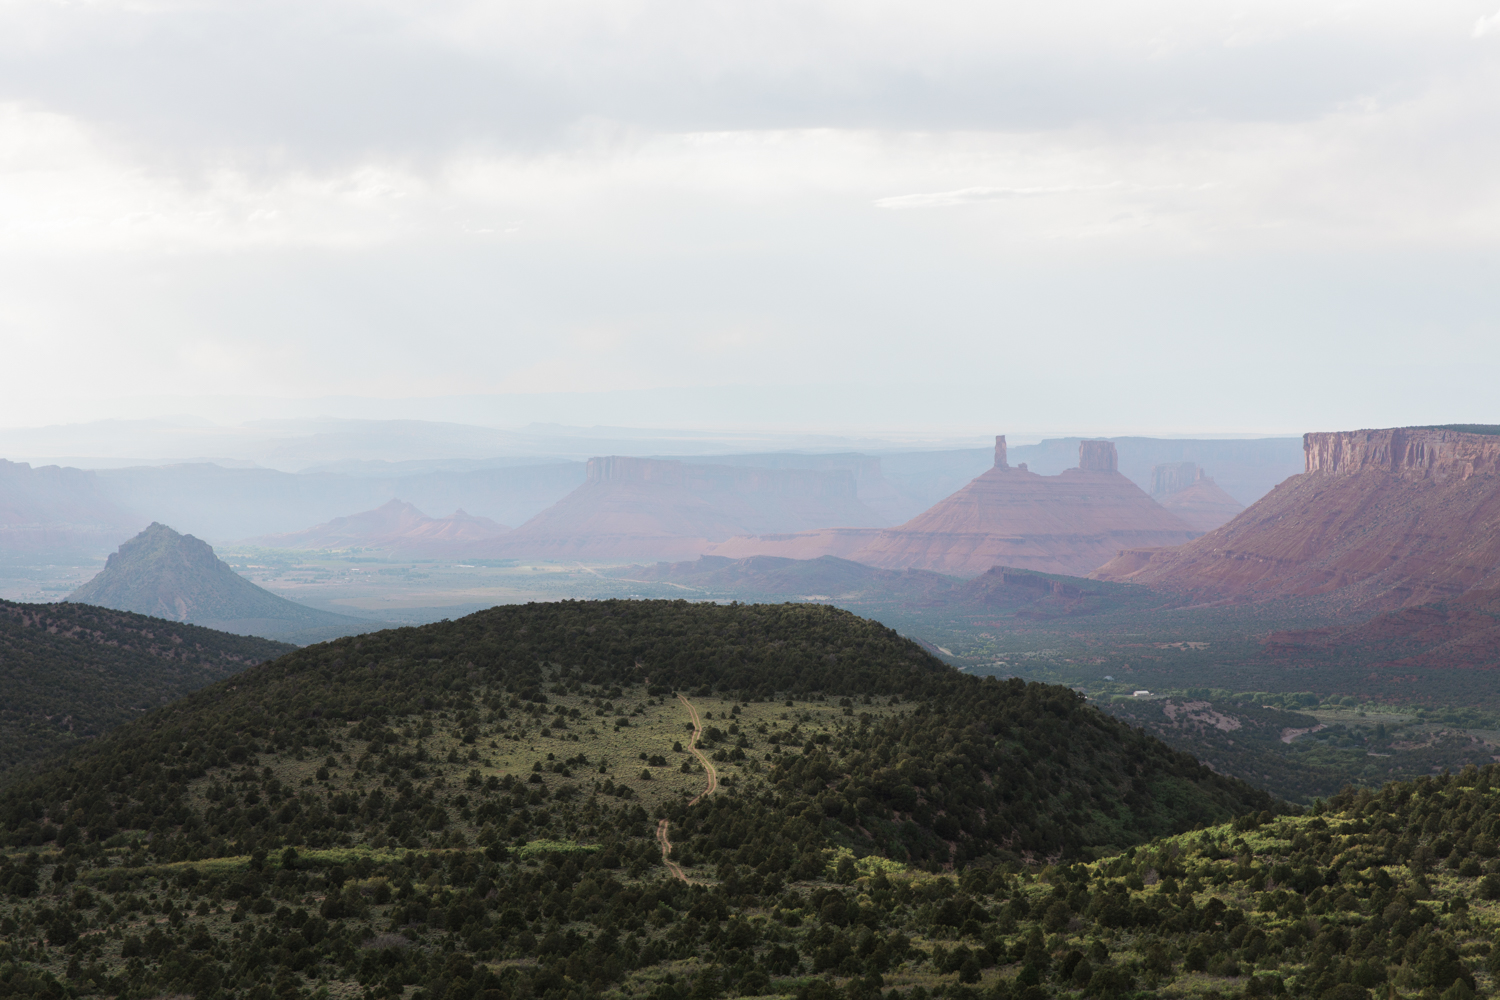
(637, 508)
(1383, 519)
(1098, 456)
(1186, 490)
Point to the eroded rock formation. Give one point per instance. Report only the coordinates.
(1383, 518)
(1069, 523)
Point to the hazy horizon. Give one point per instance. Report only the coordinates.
(949, 218)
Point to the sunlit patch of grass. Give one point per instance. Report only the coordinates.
(538, 847)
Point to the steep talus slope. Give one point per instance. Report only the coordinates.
(1384, 519)
(177, 577)
(72, 671)
(1071, 523)
(631, 508)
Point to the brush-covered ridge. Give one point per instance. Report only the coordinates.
(477, 801)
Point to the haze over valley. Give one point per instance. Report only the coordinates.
(1159, 580)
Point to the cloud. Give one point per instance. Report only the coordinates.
(1487, 25)
(965, 196)
(456, 196)
(321, 79)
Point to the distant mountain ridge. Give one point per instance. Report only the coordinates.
(872, 488)
(176, 577)
(56, 510)
(636, 508)
(1186, 490)
(399, 526)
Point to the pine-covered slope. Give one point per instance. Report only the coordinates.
(1390, 894)
(535, 754)
(69, 672)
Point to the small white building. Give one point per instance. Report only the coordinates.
(1141, 694)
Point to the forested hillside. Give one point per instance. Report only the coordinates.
(69, 672)
(432, 805)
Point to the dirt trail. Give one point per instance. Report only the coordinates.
(713, 785)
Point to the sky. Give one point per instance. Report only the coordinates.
(825, 215)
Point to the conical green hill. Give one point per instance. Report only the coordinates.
(177, 577)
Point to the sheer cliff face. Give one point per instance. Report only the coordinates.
(1384, 518)
(1411, 453)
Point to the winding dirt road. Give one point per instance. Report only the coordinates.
(713, 785)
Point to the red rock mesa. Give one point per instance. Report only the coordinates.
(1069, 523)
(1387, 518)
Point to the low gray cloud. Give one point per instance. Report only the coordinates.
(394, 199)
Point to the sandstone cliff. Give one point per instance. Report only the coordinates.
(1382, 518)
(636, 508)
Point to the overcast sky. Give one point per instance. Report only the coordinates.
(1112, 216)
